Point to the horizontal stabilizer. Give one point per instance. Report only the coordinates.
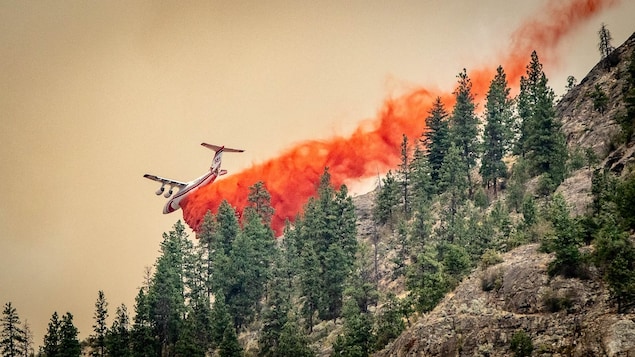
(219, 148)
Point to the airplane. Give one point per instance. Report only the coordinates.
(186, 188)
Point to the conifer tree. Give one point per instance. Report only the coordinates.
(220, 319)
(541, 141)
(566, 242)
(386, 200)
(615, 255)
(357, 338)
(436, 139)
(118, 337)
(423, 187)
(166, 295)
(143, 342)
(276, 311)
(100, 328)
(464, 126)
(243, 287)
(191, 341)
(227, 226)
(310, 283)
(497, 133)
(52, 337)
(453, 181)
(361, 286)
(12, 336)
(69, 342)
(207, 235)
(390, 322)
(425, 281)
(229, 346)
(293, 341)
(327, 241)
(604, 44)
(27, 344)
(260, 201)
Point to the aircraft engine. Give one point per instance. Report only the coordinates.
(160, 190)
(168, 194)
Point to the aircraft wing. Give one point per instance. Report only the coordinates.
(166, 181)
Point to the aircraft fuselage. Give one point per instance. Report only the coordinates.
(174, 203)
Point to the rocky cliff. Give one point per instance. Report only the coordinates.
(561, 317)
(566, 317)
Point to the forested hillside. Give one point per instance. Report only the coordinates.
(349, 276)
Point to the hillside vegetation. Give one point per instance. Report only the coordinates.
(503, 233)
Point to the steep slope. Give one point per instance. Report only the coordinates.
(560, 316)
(474, 322)
(582, 123)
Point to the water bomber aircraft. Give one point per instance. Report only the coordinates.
(186, 188)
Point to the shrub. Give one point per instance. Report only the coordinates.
(555, 302)
(489, 258)
(521, 344)
(492, 280)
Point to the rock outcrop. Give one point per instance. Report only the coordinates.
(562, 317)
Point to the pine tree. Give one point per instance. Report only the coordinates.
(423, 187)
(437, 137)
(143, 341)
(615, 255)
(390, 322)
(27, 344)
(357, 339)
(207, 235)
(243, 287)
(361, 287)
(166, 295)
(228, 226)
(497, 134)
(191, 341)
(425, 281)
(543, 144)
(229, 346)
(100, 328)
(464, 126)
(386, 200)
(118, 337)
(12, 336)
(327, 240)
(453, 181)
(69, 343)
(276, 311)
(220, 319)
(566, 243)
(310, 284)
(52, 338)
(260, 200)
(604, 45)
(293, 341)
(600, 99)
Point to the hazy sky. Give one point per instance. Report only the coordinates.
(96, 93)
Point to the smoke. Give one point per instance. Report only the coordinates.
(291, 178)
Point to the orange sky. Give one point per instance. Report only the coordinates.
(95, 94)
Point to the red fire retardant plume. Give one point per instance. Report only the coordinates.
(291, 178)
